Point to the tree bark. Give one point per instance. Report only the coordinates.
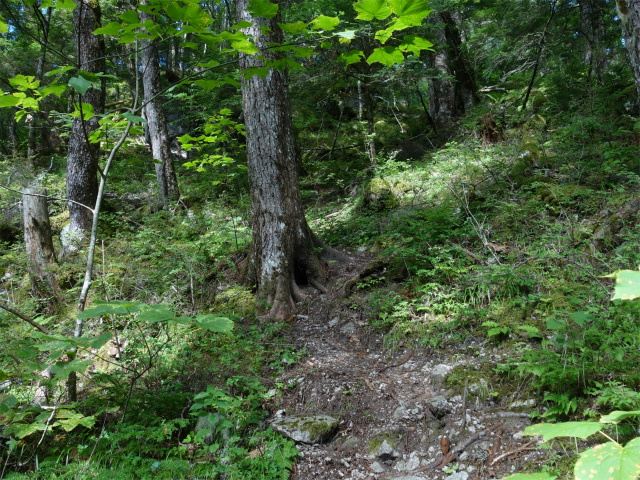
(629, 15)
(157, 125)
(453, 91)
(592, 25)
(283, 247)
(82, 158)
(39, 245)
(45, 21)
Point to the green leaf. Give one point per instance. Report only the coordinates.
(263, 8)
(100, 340)
(294, 28)
(59, 70)
(325, 23)
(609, 461)
(386, 56)
(532, 476)
(262, 72)
(111, 308)
(69, 420)
(567, 429)
(80, 84)
(130, 16)
(31, 103)
(133, 118)
(582, 317)
(352, 56)
(245, 46)
(8, 402)
(4, 28)
(242, 24)
(214, 323)
(21, 430)
(156, 313)
(348, 34)
(226, 112)
(66, 4)
(11, 100)
(411, 12)
(112, 29)
(627, 284)
(415, 44)
(53, 89)
(617, 417)
(370, 9)
(63, 369)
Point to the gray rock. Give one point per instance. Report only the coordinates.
(458, 476)
(349, 444)
(408, 477)
(524, 404)
(306, 428)
(438, 406)
(348, 329)
(377, 467)
(386, 452)
(439, 373)
(412, 463)
(401, 412)
(334, 322)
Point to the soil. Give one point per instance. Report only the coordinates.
(396, 396)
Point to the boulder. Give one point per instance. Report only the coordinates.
(311, 429)
(379, 195)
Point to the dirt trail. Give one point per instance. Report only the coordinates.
(393, 408)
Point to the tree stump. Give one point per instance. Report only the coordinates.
(39, 244)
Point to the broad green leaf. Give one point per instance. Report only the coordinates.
(627, 284)
(24, 82)
(617, 417)
(113, 29)
(263, 8)
(4, 28)
(293, 28)
(53, 89)
(59, 70)
(69, 420)
(386, 56)
(303, 52)
(532, 476)
(156, 313)
(66, 4)
(21, 430)
(207, 84)
(567, 429)
(191, 45)
(111, 308)
(325, 23)
(214, 323)
(8, 402)
(352, 56)
(383, 35)
(130, 16)
(80, 84)
(415, 44)
(100, 340)
(348, 34)
(370, 9)
(209, 64)
(582, 317)
(133, 118)
(30, 103)
(411, 12)
(245, 46)
(242, 24)
(262, 72)
(609, 461)
(63, 369)
(10, 100)
(226, 112)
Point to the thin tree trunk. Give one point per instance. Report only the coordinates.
(39, 245)
(82, 159)
(539, 55)
(592, 25)
(33, 125)
(160, 148)
(629, 15)
(283, 251)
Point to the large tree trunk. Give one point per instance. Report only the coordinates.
(157, 126)
(629, 14)
(592, 25)
(39, 245)
(82, 158)
(33, 125)
(283, 247)
(453, 91)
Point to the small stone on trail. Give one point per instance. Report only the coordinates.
(377, 468)
(386, 452)
(438, 406)
(348, 329)
(334, 322)
(458, 476)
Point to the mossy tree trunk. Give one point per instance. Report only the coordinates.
(283, 247)
(629, 15)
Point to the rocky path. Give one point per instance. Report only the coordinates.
(396, 420)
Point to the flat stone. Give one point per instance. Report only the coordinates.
(412, 463)
(438, 374)
(377, 467)
(524, 404)
(311, 429)
(334, 322)
(349, 328)
(401, 412)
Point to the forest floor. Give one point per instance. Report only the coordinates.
(399, 396)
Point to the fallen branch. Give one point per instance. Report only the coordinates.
(31, 322)
(524, 448)
(441, 462)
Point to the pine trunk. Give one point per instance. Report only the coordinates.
(33, 125)
(283, 253)
(629, 14)
(82, 158)
(592, 26)
(39, 245)
(157, 126)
